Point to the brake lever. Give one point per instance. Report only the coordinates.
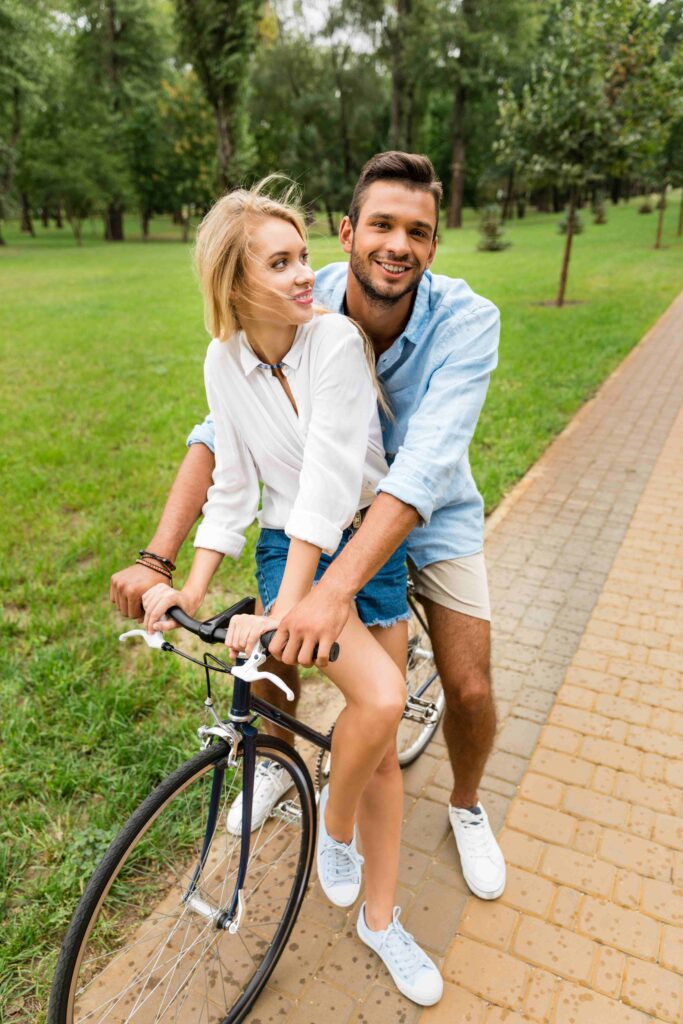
(249, 671)
(155, 640)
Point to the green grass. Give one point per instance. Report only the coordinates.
(102, 349)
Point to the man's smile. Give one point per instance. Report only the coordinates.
(391, 268)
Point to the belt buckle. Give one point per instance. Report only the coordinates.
(357, 520)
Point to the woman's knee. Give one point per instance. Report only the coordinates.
(389, 763)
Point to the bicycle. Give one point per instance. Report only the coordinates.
(183, 920)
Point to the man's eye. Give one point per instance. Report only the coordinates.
(380, 224)
(419, 234)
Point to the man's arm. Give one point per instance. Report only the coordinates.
(321, 616)
(182, 509)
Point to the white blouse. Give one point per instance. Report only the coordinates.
(317, 468)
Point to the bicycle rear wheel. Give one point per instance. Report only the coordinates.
(145, 944)
(424, 697)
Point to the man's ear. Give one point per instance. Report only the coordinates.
(346, 234)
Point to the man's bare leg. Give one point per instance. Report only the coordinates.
(462, 651)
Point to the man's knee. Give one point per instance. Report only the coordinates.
(469, 692)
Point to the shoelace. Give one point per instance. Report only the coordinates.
(477, 835)
(267, 775)
(342, 861)
(404, 951)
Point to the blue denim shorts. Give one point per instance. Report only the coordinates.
(381, 602)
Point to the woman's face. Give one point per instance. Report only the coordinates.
(278, 279)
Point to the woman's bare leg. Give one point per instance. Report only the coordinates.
(380, 811)
(374, 689)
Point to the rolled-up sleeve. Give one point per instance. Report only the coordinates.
(442, 426)
(233, 498)
(203, 433)
(337, 439)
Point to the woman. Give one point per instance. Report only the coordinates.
(294, 401)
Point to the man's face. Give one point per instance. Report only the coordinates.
(393, 242)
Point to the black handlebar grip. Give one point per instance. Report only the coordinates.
(267, 637)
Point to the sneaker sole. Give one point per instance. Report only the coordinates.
(485, 895)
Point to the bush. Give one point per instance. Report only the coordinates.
(491, 231)
(645, 206)
(564, 224)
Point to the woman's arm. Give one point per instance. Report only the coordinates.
(160, 598)
(302, 561)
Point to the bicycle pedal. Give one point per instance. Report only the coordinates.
(288, 811)
(423, 711)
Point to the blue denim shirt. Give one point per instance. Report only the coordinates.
(435, 376)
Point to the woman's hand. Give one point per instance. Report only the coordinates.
(157, 600)
(245, 630)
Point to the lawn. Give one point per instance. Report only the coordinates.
(102, 349)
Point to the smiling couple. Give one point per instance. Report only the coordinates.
(351, 396)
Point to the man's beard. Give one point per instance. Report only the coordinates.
(367, 287)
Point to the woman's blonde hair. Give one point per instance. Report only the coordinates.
(222, 254)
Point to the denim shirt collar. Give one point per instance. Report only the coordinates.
(414, 330)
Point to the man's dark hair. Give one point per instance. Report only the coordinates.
(410, 169)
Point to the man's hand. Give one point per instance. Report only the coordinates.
(127, 587)
(318, 619)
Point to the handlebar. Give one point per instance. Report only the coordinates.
(213, 631)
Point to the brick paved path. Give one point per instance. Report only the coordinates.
(585, 561)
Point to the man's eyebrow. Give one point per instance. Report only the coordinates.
(391, 216)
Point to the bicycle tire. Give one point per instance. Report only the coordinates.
(421, 675)
(119, 881)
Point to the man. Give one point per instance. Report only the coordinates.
(436, 343)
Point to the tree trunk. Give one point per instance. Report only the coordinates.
(344, 134)
(660, 219)
(45, 216)
(225, 148)
(330, 218)
(26, 222)
(185, 221)
(59, 223)
(509, 197)
(543, 201)
(2, 240)
(454, 218)
(144, 223)
(556, 200)
(113, 224)
(521, 207)
(680, 217)
(397, 86)
(567, 248)
(615, 190)
(76, 228)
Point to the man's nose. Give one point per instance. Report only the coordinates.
(397, 243)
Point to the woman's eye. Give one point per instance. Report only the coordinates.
(279, 264)
(304, 257)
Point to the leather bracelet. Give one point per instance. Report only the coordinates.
(162, 570)
(158, 558)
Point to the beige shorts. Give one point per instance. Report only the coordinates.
(460, 584)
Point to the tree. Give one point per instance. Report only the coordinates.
(219, 37)
(331, 116)
(23, 29)
(118, 59)
(593, 103)
(482, 42)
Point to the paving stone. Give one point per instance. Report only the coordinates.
(351, 966)
(519, 736)
(434, 915)
(653, 989)
(577, 1005)
(627, 930)
(487, 972)
(427, 826)
(383, 1005)
(320, 1002)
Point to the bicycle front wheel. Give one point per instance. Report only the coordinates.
(148, 941)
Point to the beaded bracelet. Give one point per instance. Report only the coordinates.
(158, 558)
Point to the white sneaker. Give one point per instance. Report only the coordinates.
(483, 865)
(339, 864)
(270, 782)
(414, 974)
